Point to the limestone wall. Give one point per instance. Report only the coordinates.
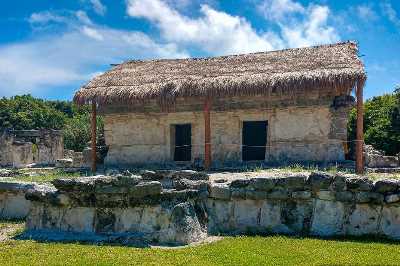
(181, 207)
(319, 204)
(313, 133)
(22, 147)
(13, 204)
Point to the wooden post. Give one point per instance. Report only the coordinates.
(360, 131)
(207, 134)
(93, 142)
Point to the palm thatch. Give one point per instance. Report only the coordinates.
(331, 67)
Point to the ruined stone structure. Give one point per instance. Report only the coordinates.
(181, 207)
(13, 204)
(275, 107)
(19, 148)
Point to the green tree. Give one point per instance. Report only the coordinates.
(381, 123)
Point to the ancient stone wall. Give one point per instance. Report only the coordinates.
(295, 134)
(13, 204)
(22, 147)
(180, 207)
(318, 204)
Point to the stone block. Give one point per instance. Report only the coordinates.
(270, 218)
(386, 186)
(301, 195)
(77, 219)
(144, 189)
(363, 220)
(278, 195)
(262, 183)
(190, 174)
(365, 197)
(246, 215)
(320, 180)
(359, 184)
(339, 182)
(256, 195)
(240, 183)
(344, 196)
(238, 193)
(292, 181)
(328, 218)
(390, 221)
(392, 198)
(325, 195)
(220, 216)
(296, 216)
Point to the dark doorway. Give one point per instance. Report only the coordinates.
(254, 139)
(183, 142)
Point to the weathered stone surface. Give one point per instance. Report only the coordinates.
(144, 189)
(13, 186)
(365, 197)
(190, 174)
(13, 205)
(359, 184)
(187, 226)
(339, 182)
(328, 218)
(296, 216)
(238, 193)
(363, 220)
(263, 183)
(270, 217)
(301, 195)
(325, 195)
(281, 194)
(392, 198)
(386, 186)
(292, 181)
(375, 158)
(220, 191)
(184, 183)
(220, 214)
(256, 195)
(390, 221)
(320, 180)
(246, 215)
(240, 183)
(344, 196)
(64, 163)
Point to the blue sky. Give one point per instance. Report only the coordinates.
(50, 48)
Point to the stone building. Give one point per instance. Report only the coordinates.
(19, 148)
(275, 107)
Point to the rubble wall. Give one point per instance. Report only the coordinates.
(295, 134)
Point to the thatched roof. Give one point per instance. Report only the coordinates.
(331, 67)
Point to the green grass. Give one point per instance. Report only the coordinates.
(43, 175)
(271, 250)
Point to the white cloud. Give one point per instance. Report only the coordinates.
(214, 32)
(98, 7)
(46, 17)
(366, 12)
(390, 12)
(278, 9)
(217, 32)
(72, 56)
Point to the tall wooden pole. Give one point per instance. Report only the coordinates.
(360, 131)
(93, 142)
(207, 134)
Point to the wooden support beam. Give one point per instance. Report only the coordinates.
(207, 134)
(93, 136)
(360, 131)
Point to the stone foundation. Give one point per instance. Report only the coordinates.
(13, 204)
(181, 207)
(135, 208)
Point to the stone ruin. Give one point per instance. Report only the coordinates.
(167, 208)
(377, 159)
(181, 207)
(19, 148)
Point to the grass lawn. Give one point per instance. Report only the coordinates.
(272, 250)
